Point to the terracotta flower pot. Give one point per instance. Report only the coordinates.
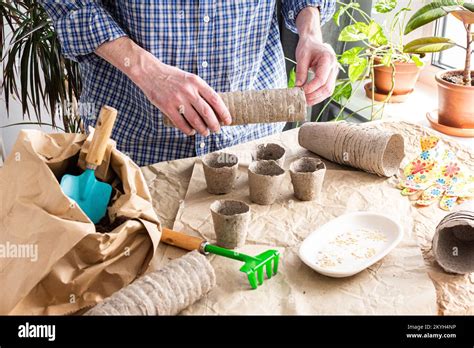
(456, 102)
(406, 76)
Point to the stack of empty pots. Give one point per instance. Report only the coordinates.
(453, 243)
(360, 146)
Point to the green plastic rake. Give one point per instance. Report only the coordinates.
(254, 266)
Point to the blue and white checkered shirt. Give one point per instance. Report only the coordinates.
(231, 44)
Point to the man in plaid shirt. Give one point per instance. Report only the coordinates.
(151, 58)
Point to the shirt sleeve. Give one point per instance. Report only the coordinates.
(81, 25)
(291, 8)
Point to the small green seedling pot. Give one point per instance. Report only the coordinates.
(92, 195)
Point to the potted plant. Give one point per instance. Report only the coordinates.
(455, 87)
(34, 71)
(393, 65)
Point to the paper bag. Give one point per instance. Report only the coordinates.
(53, 260)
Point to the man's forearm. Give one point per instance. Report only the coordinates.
(186, 99)
(308, 23)
(126, 56)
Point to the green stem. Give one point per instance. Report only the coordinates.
(329, 102)
(347, 101)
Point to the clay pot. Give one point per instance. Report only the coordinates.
(307, 176)
(220, 171)
(406, 76)
(456, 102)
(265, 178)
(453, 242)
(231, 219)
(271, 151)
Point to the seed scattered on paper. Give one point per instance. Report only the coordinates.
(349, 246)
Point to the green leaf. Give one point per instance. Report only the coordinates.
(343, 9)
(387, 58)
(416, 59)
(385, 6)
(362, 27)
(337, 15)
(357, 69)
(428, 45)
(350, 56)
(353, 32)
(431, 12)
(292, 78)
(43, 76)
(376, 35)
(342, 91)
(469, 6)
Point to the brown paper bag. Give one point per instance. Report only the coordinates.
(52, 259)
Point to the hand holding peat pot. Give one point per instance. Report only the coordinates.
(266, 106)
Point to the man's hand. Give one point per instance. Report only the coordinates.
(185, 98)
(312, 54)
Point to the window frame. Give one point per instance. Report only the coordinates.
(440, 31)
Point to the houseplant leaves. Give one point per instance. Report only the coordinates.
(428, 45)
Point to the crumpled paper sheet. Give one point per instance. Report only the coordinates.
(455, 293)
(75, 266)
(293, 290)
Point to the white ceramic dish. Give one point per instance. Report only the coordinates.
(350, 243)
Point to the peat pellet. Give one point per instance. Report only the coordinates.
(265, 178)
(231, 219)
(453, 243)
(164, 292)
(307, 176)
(220, 171)
(271, 151)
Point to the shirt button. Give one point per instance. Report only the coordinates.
(202, 145)
(206, 19)
(204, 64)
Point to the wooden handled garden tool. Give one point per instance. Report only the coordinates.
(90, 194)
(266, 106)
(253, 265)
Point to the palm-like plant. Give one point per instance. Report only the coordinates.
(462, 10)
(31, 54)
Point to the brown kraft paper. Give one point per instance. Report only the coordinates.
(74, 267)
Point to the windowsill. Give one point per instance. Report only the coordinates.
(414, 109)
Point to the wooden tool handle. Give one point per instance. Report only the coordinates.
(102, 132)
(180, 240)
